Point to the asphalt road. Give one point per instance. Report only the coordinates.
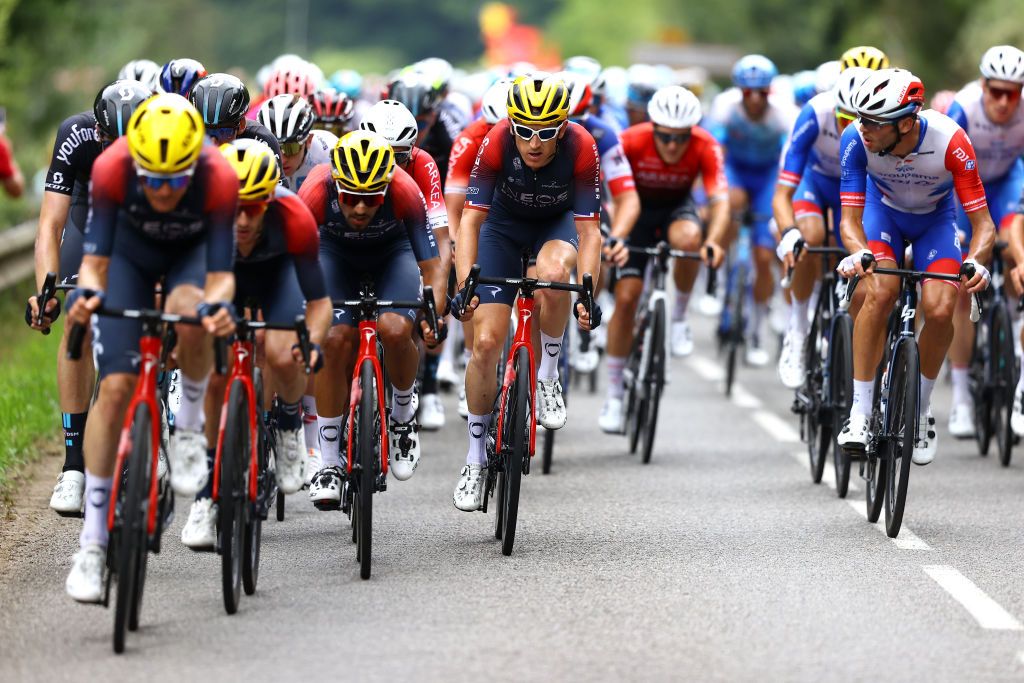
(718, 561)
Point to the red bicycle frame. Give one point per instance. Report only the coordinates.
(524, 337)
(242, 350)
(368, 351)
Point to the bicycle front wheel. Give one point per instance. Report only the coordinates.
(1004, 373)
(264, 492)
(367, 455)
(231, 495)
(901, 431)
(654, 377)
(735, 332)
(840, 395)
(515, 449)
(818, 429)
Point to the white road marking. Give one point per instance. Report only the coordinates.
(906, 540)
(986, 611)
(779, 429)
(706, 368)
(743, 398)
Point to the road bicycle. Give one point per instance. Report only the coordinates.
(739, 298)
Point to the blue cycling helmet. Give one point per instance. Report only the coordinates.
(179, 75)
(754, 71)
(347, 81)
(805, 86)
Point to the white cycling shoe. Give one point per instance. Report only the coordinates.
(961, 421)
(200, 531)
(610, 420)
(550, 404)
(791, 360)
(313, 464)
(404, 448)
(757, 357)
(431, 413)
(189, 469)
(927, 439)
(291, 452)
(587, 361)
(469, 492)
(463, 409)
(325, 491)
(447, 376)
(682, 339)
(85, 580)
(855, 434)
(1017, 416)
(68, 494)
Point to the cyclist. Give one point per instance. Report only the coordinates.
(643, 80)
(58, 249)
(277, 267)
(10, 173)
(391, 119)
(179, 75)
(752, 125)
(223, 100)
(144, 71)
(864, 56)
(162, 207)
(667, 155)
(332, 111)
(373, 224)
(534, 186)
(808, 187)
(898, 167)
(289, 118)
(994, 119)
(426, 102)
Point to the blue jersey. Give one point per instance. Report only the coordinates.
(814, 142)
(750, 143)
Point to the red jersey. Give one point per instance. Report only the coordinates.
(6, 166)
(464, 149)
(424, 171)
(661, 183)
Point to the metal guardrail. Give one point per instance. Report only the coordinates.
(17, 260)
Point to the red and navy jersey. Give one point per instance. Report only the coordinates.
(403, 215)
(290, 231)
(661, 184)
(943, 160)
(424, 170)
(464, 149)
(570, 182)
(206, 211)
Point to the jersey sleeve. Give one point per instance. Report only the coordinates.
(313, 192)
(712, 168)
(853, 161)
(428, 179)
(460, 164)
(71, 143)
(486, 169)
(958, 114)
(219, 210)
(106, 195)
(411, 208)
(718, 115)
(963, 164)
(302, 239)
(798, 147)
(6, 158)
(586, 178)
(616, 170)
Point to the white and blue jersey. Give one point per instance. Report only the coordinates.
(615, 169)
(999, 149)
(810, 159)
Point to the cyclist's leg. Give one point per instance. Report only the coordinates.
(556, 248)
(961, 414)
(649, 229)
(397, 276)
(684, 232)
(762, 187)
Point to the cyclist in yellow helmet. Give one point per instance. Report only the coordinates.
(162, 209)
(865, 56)
(373, 225)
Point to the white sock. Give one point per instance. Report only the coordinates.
(401, 403)
(961, 386)
(1020, 384)
(478, 426)
(926, 394)
(682, 303)
(329, 436)
(466, 355)
(448, 350)
(798, 316)
(551, 347)
(190, 415)
(615, 366)
(756, 323)
(863, 394)
(309, 421)
(97, 505)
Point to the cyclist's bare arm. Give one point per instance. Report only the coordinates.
(92, 274)
(984, 237)
(719, 221)
(454, 203)
(625, 212)
(782, 206)
(466, 245)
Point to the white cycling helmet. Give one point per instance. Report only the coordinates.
(144, 71)
(674, 107)
(289, 117)
(826, 75)
(889, 95)
(588, 67)
(1003, 63)
(393, 121)
(847, 85)
(494, 106)
(579, 89)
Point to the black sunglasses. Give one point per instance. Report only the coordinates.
(669, 138)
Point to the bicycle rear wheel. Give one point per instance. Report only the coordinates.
(654, 378)
(735, 333)
(133, 496)
(231, 495)
(515, 450)
(1004, 374)
(840, 395)
(982, 380)
(901, 431)
(818, 428)
(367, 457)
(636, 405)
(264, 491)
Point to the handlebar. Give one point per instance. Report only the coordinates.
(77, 334)
(372, 304)
(966, 270)
(585, 289)
(45, 294)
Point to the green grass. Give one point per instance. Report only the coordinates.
(29, 413)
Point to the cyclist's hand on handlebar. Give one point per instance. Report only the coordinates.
(82, 303)
(457, 302)
(316, 356)
(785, 248)
(32, 312)
(854, 263)
(615, 252)
(428, 335)
(717, 254)
(981, 278)
(218, 318)
(1017, 276)
(586, 322)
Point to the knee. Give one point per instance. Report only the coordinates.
(394, 332)
(940, 311)
(279, 358)
(553, 271)
(626, 298)
(340, 341)
(116, 390)
(687, 238)
(487, 345)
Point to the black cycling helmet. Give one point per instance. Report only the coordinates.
(116, 103)
(222, 100)
(415, 92)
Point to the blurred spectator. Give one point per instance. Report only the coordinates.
(10, 174)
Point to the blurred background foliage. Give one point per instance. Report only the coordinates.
(55, 54)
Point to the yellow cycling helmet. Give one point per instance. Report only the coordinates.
(538, 99)
(256, 166)
(363, 161)
(165, 134)
(865, 56)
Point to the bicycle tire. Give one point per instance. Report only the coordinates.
(1004, 361)
(817, 431)
(367, 452)
(519, 427)
(231, 495)
(636, 407)
(131, 545)
(982, 380)
(735, 333)
(253, 539)
(840, 395)
(655, 379)
(904, 380)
